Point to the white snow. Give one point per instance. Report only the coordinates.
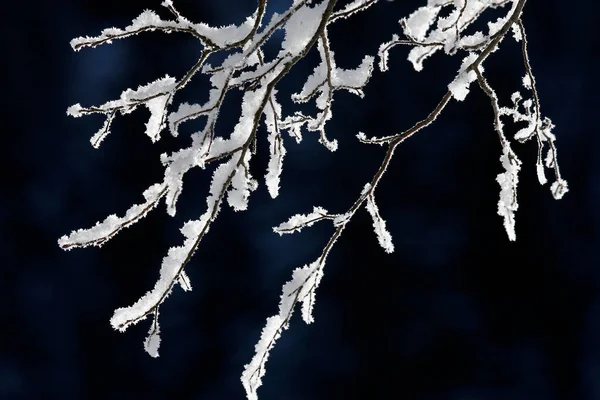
(383, 236)
(508, 180)
(299, 221)
(245, 67)
(460, 85)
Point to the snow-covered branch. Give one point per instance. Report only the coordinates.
(244, 67)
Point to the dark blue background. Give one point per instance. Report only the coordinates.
(456, 313)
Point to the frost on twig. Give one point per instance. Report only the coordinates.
(299, 221)
(103, 231)
(440, 26)
(384, 237)
(301, 289)
(155, 96)
(507, 205)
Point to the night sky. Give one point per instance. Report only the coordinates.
(457, 312)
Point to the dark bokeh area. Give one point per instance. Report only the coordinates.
(457, 312)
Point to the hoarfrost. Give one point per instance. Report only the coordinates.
(305, 25)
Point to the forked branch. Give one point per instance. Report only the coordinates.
(305, 25)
